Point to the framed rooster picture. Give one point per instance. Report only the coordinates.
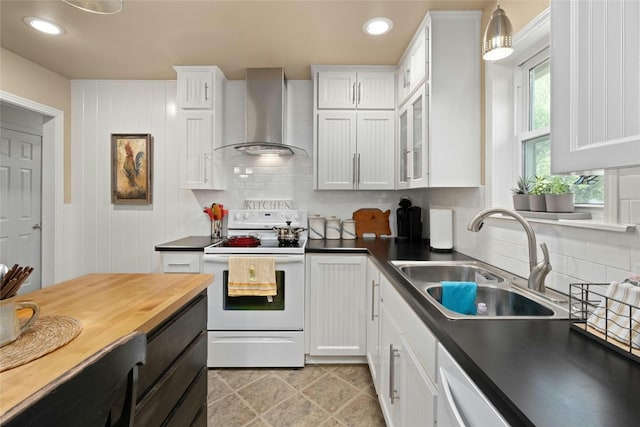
(131, 168)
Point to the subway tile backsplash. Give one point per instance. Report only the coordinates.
(577, 254)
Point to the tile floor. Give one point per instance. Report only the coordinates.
(316, 395)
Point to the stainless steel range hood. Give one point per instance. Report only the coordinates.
(265, 113)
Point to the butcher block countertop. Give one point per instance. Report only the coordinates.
(109, 307)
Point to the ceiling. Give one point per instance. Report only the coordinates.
(148, 37)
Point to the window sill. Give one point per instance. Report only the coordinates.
(589, 224)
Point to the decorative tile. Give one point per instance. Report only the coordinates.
(238, 378)
(229, 412)
(216, 388)
(332, 422)
(296, 411)
(356, 375)
(330, 392)
(363, 411)
(300, 378)
(266, 392)
(258, 423)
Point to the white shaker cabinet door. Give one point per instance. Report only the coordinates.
(195, 88)
(336, 150)
(337, 304)
(373, 322)
(375, 150)
(375, 90)
(595, 84)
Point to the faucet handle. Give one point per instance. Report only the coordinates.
(545, 252)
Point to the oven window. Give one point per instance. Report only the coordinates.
(253, 303)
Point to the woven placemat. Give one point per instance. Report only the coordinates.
(48, 333)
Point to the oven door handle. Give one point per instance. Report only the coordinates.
(280, 259)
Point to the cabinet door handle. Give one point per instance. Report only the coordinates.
(204, 166)
(373, 300)
(353, 94)
(359, 91)
(353, 172)
(448, 399)
(206, 91)
(408, 78)
(393, 353)
(358, 169)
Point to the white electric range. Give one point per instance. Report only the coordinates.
(256, 331)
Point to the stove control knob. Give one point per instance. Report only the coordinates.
(246, 215)
(236, 216)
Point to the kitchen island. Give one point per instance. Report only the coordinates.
(169, 309)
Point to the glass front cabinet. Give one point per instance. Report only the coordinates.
(412, 151)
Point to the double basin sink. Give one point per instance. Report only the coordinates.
(504, 298)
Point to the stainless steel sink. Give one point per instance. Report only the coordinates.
(504, 298)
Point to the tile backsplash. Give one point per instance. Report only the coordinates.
(577, 254)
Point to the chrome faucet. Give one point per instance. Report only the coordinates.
(537, 271)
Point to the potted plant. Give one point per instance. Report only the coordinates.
(521, 194)
(559, 197)
(540, 187)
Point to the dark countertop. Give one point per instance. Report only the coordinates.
(187, 244)
(535, 372)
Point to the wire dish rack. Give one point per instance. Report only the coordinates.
(601, 314)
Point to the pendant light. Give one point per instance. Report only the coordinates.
(104, 7)
(497, 40)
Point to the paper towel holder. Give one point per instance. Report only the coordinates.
(441, 230)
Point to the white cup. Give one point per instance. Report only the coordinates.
(333, 227)
(348, 229)
(316, 227)
(10, 328)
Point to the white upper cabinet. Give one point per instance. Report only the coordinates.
(195, 87)
(200, 104)
(453, 120)
(354, 136)
(412, 68)
(355, 150)
(412, 147)
(351, 89)
(438, 137)
(595, 84)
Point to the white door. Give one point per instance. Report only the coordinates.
(20, 203)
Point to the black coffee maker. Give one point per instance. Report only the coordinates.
(409, 222)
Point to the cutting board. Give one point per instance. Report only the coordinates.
(372, 220)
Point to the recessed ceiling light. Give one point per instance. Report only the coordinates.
(377, 26)
(44, 26)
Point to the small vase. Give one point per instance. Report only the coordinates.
(521, 202)
(560, 202)
(537, 203)
(216, 229)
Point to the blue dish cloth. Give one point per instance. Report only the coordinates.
(460, 296)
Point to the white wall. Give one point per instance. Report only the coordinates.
(114, 238)
(102, 237)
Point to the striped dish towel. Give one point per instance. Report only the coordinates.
(252, 276)
(614, 317)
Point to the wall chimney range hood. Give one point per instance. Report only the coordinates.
(265, 113)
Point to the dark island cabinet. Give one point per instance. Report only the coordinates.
(172, 384)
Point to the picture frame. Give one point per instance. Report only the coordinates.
(131, 168)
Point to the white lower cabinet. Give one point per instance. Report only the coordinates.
(373, 322)
(182, 262)
(460, 401)
(337, 312)
(407, 392)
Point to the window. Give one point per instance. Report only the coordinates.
(534, 135)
